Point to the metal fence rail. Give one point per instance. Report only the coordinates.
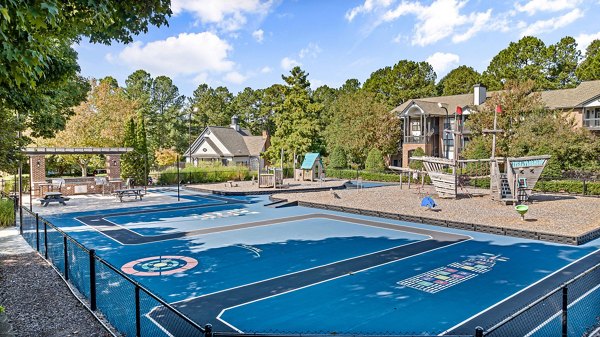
(101, 283)
(573, 309)
(564, 311)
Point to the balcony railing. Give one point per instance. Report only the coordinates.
(415, 139)
(592, 123)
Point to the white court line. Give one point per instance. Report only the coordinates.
(560, 312)
(515, 294)
(330, 279)
(156, 211)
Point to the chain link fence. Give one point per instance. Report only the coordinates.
(573, 309)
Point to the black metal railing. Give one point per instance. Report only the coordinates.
(572, 309)
(118, 297)
(569, 310)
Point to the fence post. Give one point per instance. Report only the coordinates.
(45, 240)
(564, 312)
(478, 331)
(37, 232)
(208, 330)
(138, 323)
(584, 187)
(20, 217)
(66, 256)
(92, 279)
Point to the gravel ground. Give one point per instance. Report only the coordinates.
(555, 214)
(38, 303)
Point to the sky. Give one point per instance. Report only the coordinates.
(251, 43)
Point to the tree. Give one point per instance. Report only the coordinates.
(246, 104)
(33, 32)
(103, 115)
(38, 68)
(405, 80)
(361, 121)
(518, 101)
(458, 81)
(10, 144)
(520, 61)
(563, 57)
(527, 126)
(338, 159)
(165, 157)
(213, 105)
(350, 86)
(296, 119)
(375, 161)
(142, 149)
(417, 164)
(130, 160)
(589, 69)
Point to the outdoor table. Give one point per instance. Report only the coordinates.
(130, 192)
(53, 197)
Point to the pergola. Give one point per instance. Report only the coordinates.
(37, 160)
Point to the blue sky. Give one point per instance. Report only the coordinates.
(251, 43)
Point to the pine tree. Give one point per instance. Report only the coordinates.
(142, 150)
(129, 159)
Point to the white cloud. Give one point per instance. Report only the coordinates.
(440, 19)
(227, 15)
(442, 62)
(266, 70)
(258, 35)
(584, 40)
(479, 22)
(235, 77)
(533, 6)
(311, 50)
(182, 55)
(289, 63)
(544, 26)
(367, 7)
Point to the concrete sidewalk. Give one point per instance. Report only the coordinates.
(11, 243)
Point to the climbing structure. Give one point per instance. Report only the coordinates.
(518, 180)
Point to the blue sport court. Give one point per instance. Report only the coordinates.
(243, 265)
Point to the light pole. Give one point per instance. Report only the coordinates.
(194, 109)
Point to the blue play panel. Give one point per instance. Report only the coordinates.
(243, 266)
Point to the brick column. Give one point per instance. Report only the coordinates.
(113, 166)
(37, 171)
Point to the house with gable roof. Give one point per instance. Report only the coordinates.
(231, 145)
(425, 119)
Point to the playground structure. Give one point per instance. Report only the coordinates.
(512, 180)
(272, 179)
(311, 168)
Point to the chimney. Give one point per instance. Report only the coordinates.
(479, 94)
(234, 123)
(265, 134)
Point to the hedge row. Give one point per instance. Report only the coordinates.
(568, 186)
(370, 176)
(204, 176)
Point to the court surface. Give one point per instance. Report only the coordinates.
(243, 266)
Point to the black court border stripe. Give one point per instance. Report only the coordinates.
(126, 236)
(207, 308)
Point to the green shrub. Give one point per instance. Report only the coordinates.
(338, 159)
(7, 213)
(375, 162)
(568, 186)
(205, 174)
(370, 176)
(416, 164)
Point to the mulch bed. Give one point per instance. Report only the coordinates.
(38, 303)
